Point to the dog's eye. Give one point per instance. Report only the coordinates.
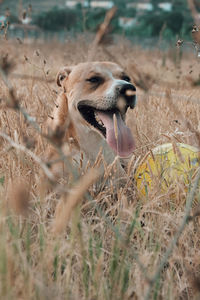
(62, 77)
(95, 79)
(126, 78)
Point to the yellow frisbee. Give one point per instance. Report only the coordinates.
(166, 166)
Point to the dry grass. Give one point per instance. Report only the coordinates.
(115, 241)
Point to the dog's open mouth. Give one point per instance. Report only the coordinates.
(111, 125)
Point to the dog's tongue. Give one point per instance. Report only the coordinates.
(119, 139)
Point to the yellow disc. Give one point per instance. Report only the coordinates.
(166, 166)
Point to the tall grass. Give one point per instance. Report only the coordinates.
(87, 244)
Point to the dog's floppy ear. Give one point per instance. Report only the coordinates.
(62, 74)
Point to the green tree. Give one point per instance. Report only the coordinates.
(155, 4)
(94, 17)
(57, 19)
(176, 21)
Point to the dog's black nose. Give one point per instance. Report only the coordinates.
(128, 91)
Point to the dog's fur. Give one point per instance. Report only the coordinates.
(88, 88)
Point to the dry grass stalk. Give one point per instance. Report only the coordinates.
(66, 206)
(19, 196)
(27, 151)
(194, 11)
(141, 79)
(121, 104)
(130, 93)
(132, 164)
(196, 34)
(175, 239)
(101, 32)
(98, 159)
(115, 126)
(31, 77)
(177, 151)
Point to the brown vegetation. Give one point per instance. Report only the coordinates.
(113, 245)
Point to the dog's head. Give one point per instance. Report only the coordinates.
(99, 94)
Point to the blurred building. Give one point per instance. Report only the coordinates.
(143, 5)
(102, 4)
(74, 3)
(140, 5)
(147, 6)
(167, 6)
(126, 22)
(2, 19)
(26, 20)
(89, 3)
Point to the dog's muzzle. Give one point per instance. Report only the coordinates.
(128, 93)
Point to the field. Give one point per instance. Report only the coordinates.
(115, 245)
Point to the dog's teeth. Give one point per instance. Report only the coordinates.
(96, 116)
(98, 119)
(101, 123)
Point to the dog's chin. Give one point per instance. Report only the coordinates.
(110, 124)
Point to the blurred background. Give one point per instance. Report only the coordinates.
(144, 22)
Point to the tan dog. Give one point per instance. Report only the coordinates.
(91, 111)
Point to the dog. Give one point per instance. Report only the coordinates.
(90, 113)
